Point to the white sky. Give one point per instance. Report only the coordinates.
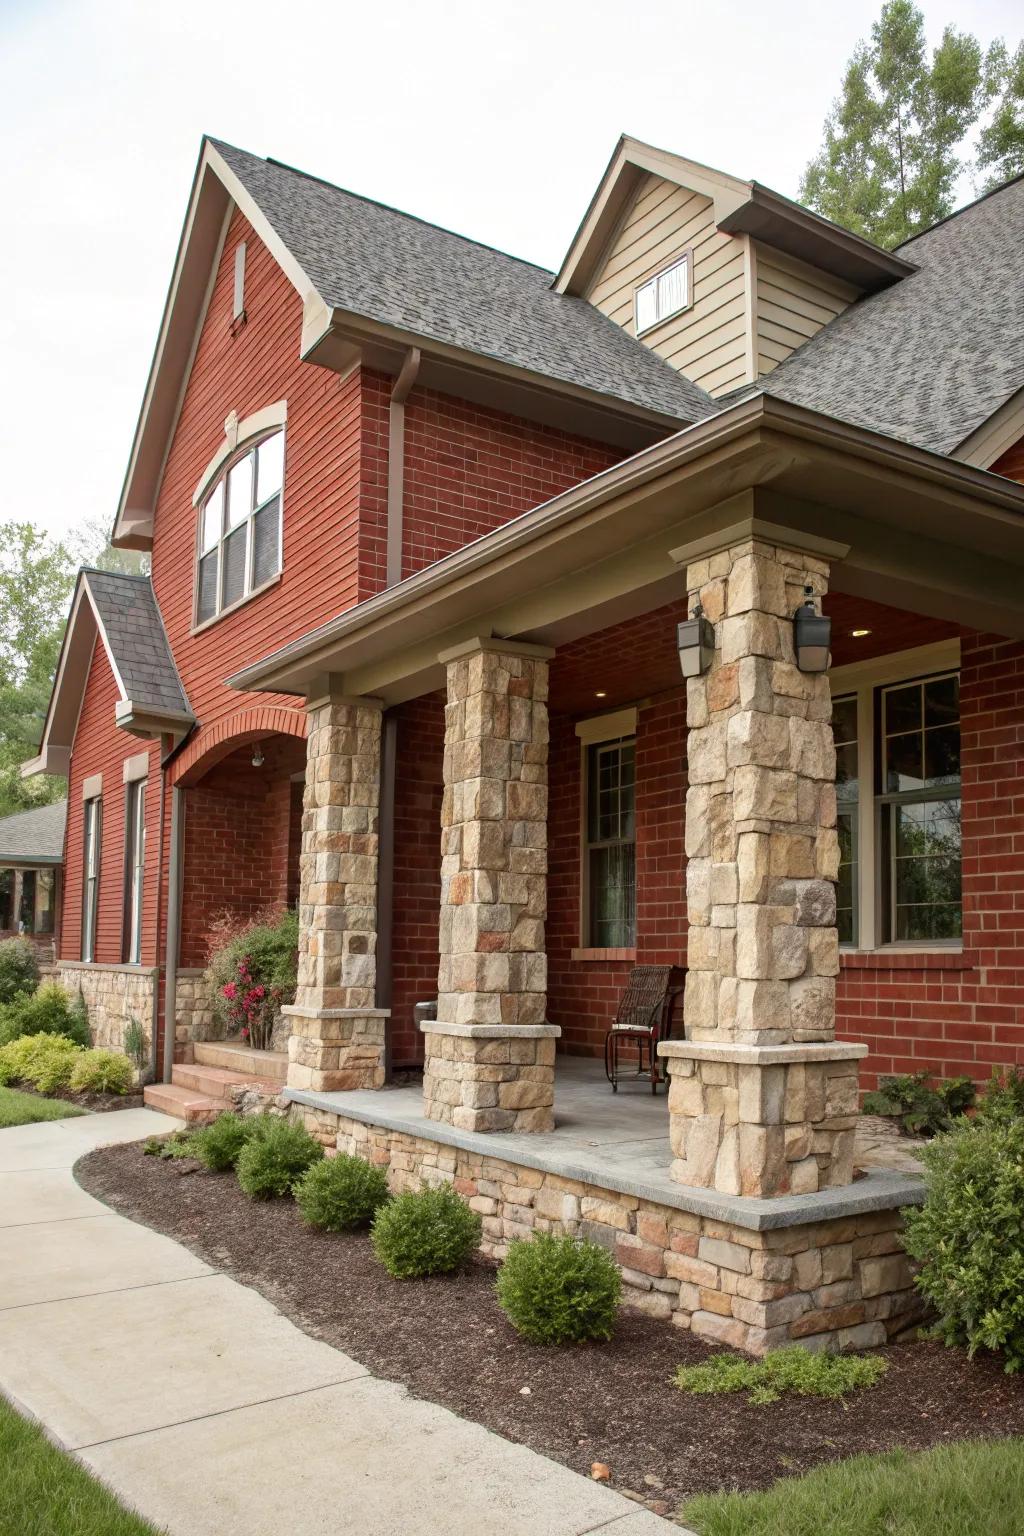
(494, 120)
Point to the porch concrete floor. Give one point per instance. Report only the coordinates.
(618, 1141)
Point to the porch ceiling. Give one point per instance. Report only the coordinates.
(925, 534)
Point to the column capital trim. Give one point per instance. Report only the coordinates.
(501, 647)
(493, 1031)
(327, 688)
(762, 1055)
(767, 532)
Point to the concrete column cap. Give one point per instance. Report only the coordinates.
(759, 528)
(762, 1055)
(300, 1011)
(501, 647)
(493, 1031)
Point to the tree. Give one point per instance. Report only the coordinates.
(1001, 141)
(891, 156)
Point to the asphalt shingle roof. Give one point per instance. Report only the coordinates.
(931, 358)
(37, 834)
(131, 621)
(398, 270)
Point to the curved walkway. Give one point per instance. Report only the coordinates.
(201, 1405)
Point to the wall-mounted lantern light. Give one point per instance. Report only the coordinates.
(695, 639)
(812, 635)
(257, 758)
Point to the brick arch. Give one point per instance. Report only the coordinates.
(223, 737)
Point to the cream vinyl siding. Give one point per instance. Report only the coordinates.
(707, 341)
(794, 302)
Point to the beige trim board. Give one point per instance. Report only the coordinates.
(996, 435)
(496, 646)
(620, 722)
(916, 660)
(92, 787)
(753, 527)
(135, 768)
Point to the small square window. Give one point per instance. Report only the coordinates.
(663, 295)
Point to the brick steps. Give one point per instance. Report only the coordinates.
(171, 1099)
(216, 1082)
(269, 1066)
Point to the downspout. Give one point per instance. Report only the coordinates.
(173, 927)
(154, 1059)
(389, 738)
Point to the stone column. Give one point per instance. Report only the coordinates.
(337, 1038)
(762, 1099)
(490, 1056)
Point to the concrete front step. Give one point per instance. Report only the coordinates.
(217, 1082)
(194, 1108)
(272, 1066)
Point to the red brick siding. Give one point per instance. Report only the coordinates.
(418, 793)
(1011, 464)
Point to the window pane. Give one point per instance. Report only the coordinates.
(234, 566)
(844, 720)
(846, 889)
(613, 896)
(672, 286)
(270, 467)
(927, 871)
(904, 769)
(646, 306)
(27, 915)
(942, 755)
(903, 709)
(206, 604)
(942, 701)
(213, 513)
(240, 491)
(266, 561)
(46, 886)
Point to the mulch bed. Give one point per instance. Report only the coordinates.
(447, 1341)
(95, 1103)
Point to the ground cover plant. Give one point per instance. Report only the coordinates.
(341, 1192)
(44, 1492)
(792, 1369)
(954, 1490)
(968, 1237)
(922, 1108)
(45, 1061)
(19, 970)
(271, 1161)
(49, 1010)
(425, 1232)
(559, 1290)
(27, 1108)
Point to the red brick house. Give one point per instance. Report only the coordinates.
(425, 518)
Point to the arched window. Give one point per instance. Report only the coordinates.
(240, 528)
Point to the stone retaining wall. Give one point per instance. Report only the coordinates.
(840, 1283)
(114, 994)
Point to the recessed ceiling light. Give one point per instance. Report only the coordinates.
(600, 694)
(858, 634)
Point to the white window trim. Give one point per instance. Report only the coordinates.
(243, 447)
(609, 727)
(236, 433)
(135, 868)
(92, 845)
(860, 679)
(684, 259)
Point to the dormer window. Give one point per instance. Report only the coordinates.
(240, 529)
(663, 295)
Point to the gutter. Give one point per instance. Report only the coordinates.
(756, 413)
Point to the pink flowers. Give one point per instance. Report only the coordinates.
(252, 1005)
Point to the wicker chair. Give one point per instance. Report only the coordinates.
(643, 1017)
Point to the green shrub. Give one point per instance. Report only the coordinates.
(45, 1061)
(923, 1110)
(969, 1237)
(101, 1072)
(135, 1043)
(1003, 1101)
(557, 1290)
(792, 1369)
(218, 1144)
(426, 1232)
(49, 1011)
(269, 1163)
(19, 970)
(341, 1192)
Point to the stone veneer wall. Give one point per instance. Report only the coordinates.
(193, 1011)
(113, 995)
(840, 1283)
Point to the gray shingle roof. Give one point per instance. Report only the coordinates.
(37, 834)
(397, 270)
(929, 359)
(131, 621)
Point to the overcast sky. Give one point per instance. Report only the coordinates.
(494, 120)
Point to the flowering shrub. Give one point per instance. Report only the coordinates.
(253, 973)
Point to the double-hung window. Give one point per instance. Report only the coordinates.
(610, 851)
(898, 811)
(240, 529)
(664, 294)
(135, 860)
(93, 829)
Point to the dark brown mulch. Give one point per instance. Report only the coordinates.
(96, 1103)
(447, 1341)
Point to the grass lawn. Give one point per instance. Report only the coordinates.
(969, 1489)
(45, 1493)
(24, 1108)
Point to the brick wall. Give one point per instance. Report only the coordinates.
(418, 794)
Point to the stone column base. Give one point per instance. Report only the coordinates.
(333, 1049)
(762, 1120)
(490, 1077)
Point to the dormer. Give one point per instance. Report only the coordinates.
(722, 278)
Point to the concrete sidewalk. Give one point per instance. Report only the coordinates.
(211, 1413)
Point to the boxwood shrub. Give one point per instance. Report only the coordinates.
(341, 1192)
(217, 1145)
(100, 1072)
(425, 1232)
(49, 1011)
(969, 1236)
(271, 1161)
(558, 1290)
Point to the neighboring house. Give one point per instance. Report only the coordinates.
(423, 520)
(31, 857)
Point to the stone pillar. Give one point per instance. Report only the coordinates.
(490, 1056)
(337, 1038)
(762, 1099)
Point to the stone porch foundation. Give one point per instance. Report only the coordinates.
(842, 1282)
